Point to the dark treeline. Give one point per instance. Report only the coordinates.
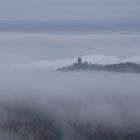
(121, 67)
(27, 123)
(75, 131)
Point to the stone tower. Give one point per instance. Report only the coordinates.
(79, 60)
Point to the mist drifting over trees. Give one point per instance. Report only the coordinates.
(106, 100)
(99, 102)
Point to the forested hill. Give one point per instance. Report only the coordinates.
(121, 67)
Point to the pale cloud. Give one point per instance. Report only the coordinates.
(68, 9)
(65, 46)
(10, 62)
(69, 15)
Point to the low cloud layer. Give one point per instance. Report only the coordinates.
(66, 46)
(103, 99)
(70, 16)
(69, 9)
(10, 62)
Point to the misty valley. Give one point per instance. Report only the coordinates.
(33, 127)
(69, 69)
(40, 105)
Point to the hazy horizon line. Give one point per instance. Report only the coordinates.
(70, 26)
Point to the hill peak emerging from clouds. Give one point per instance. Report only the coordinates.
(120, 67)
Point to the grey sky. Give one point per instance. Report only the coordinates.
(65, 29)
(68, 9)
(62, 46)
(67, 15)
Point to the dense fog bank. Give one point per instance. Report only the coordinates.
(108, 99)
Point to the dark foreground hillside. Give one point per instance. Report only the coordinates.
(33, 125)
(47, 131)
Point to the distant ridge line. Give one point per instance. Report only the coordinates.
(84, 66)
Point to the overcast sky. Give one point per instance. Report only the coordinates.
(70, 15)
(65, 29)
(69, 9)
(41, 51)
(60, 46)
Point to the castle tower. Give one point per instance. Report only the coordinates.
(79, 60)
